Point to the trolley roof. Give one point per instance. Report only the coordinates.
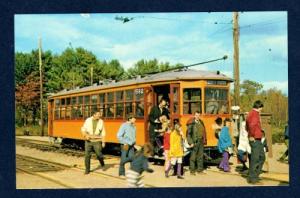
(185, 74)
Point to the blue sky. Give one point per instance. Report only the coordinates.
(186, 38)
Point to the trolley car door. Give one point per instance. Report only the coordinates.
(50, 117)
(174, 102)
(148, 100)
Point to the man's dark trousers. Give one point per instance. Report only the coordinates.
(126, 156)
(89, 148)
(257, 160)
(196, 159)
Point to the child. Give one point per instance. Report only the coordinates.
(244, 148)
(176, 150)
(138, 165)
(225, 145)
(159, 139)
(167, 147)
(217, 127)
(266, 149)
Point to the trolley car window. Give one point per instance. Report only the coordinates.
(129, 102)
(129, 95)
(68, 101)
(128, 108)
(119, 110)
(68, 112)
(86, 100)
(87, 112)
(94, 99)
(102, 98)
(175, 100)
(110, 97)
(102, 103)
(62, 108)
(139, 94)
(73, 100)
(79, 110)
(110, 109)
(191, 100)
(80, 99)
(216, 82)
(120, 96)
(56, 113)
(120, 104)
(216, 101)
(139, 102)
(62, 101)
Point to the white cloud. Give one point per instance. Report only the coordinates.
(280, 85)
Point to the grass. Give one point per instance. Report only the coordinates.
(33, 130)
(277, 135)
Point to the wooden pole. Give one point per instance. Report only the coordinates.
(92, 75)
(236, 70)
(41, 87)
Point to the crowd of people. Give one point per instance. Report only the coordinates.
(167, 139)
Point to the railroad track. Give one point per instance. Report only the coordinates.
(46, 146)
(39, 167)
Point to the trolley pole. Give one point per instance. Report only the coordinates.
(236, 74)
(41, 87)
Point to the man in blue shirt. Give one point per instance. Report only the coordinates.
(127, 137)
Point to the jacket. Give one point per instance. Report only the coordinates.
(224, 140)
(243, 139)
(88, 127)
(253, 125)
(176, 147)
(167, 141)
(127, 134)
(190, 132)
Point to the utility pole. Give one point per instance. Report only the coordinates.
(236, 70)
(41, 87)
(92, 74)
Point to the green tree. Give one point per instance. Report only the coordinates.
(143, 67)
(249, 93)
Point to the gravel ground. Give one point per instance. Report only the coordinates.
(108, 178)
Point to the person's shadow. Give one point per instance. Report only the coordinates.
(106, 167)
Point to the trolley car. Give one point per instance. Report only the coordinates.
(187, 91)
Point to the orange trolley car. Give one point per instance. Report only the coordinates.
(187, 91)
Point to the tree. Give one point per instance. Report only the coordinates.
(27, 97)
(249, 93)
(112, 70)
(143, 67)
(276, 103)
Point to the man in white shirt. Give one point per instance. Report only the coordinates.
(94, 133)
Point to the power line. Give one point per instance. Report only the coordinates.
(127, 19)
